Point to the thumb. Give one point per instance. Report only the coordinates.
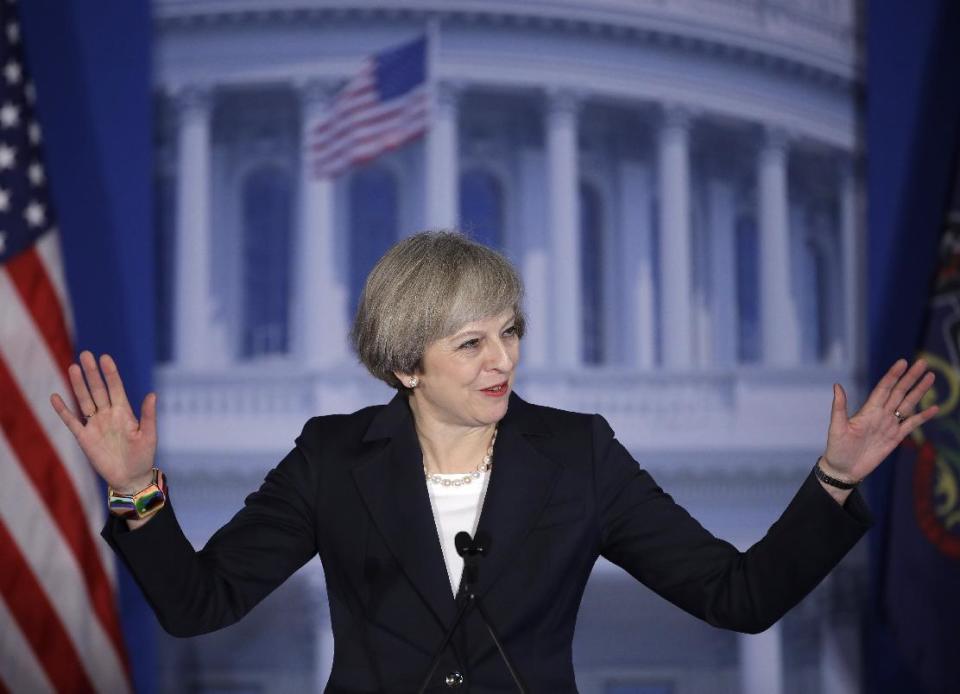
(148, 415)
(838, 413)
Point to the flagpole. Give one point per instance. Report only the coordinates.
(433, 47)
(434, 203)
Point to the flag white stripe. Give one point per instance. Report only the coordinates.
(368, 152)
(360, 122)
(412, 117)
(355, 157)
(20, 671)
(49, 252)
(363, 143)
(369, 149)
(48, 249)
(356, 95)
(56, 569)
(36, 373)
(357, 120)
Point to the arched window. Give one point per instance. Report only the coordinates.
(373, 223)
(591, 274)
(267, 207)
(481, 207)
(164, 240)
(818, 325)
(748, 288)
(823, 307)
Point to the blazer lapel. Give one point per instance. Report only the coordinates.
(521, 482)
(395, 492)
(392, 484)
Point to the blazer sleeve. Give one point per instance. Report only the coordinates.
(644, 531)
(267, 540)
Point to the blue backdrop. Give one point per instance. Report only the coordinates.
(912, 117)
(91, 65)
(92, 69)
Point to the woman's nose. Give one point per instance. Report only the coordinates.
(499, 356)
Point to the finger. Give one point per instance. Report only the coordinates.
(66, 416)
(118, 396)
(904, 384)
(148, 416)
(98, 391)
(914, 421)
(916, 393)
(838, 412)
(80, 390)
(880, 393)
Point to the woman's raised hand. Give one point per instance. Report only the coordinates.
(120, 448)
(858, 444)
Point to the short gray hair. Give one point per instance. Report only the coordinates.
(428, 286)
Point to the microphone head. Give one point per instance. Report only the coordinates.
(463, 543)
(480, 543)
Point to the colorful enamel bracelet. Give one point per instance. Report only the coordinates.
(141, 505)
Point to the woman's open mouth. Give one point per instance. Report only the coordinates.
(496, 391)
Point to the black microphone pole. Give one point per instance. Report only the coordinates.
(471, 549)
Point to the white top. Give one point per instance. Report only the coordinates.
(456, 509)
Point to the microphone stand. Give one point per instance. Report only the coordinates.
(471, 549)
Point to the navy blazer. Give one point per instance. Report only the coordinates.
(563, 491)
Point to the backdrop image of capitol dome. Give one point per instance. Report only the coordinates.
(677, 181)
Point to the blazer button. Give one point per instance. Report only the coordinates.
(453, 679)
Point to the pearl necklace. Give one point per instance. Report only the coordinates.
(483, 467)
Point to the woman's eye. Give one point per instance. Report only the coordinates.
(469, 343)
(512, 330)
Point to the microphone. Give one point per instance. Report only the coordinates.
(471, 549)
(468, 545)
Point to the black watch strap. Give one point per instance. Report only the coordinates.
(832, 481)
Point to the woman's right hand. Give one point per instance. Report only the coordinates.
(120, 448)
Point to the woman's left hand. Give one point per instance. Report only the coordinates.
(856, 445)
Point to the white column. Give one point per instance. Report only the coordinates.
(443, 176)
(194, 334)
(840, 654)
(853, 265)
(803, 281)
(536, 258)
(723, 261)
(761, 662)
(674, 223)
(778, 313)
(564, 221)
(635, 206)
(320, 305)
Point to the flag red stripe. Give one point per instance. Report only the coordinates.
(360, 148)
(54, 485)
(358, 139)
(362, 138)
(37, 292)
(38, 620)
(377, 117)
(343, 112)
(363, 159)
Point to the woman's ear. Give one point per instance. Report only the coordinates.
(407, 379)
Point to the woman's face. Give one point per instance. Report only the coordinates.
(467, 377)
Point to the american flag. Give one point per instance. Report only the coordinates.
(382, 107)
(59, 626)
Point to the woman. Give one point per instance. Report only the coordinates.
(548, 491)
